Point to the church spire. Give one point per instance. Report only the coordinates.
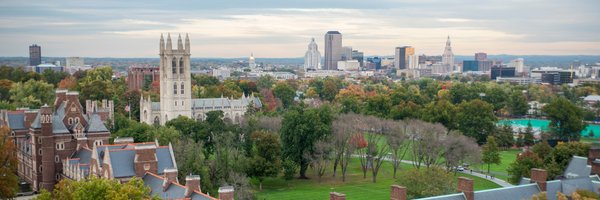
(169, 44)
(179, 43)
(162, 44)
(187, 43)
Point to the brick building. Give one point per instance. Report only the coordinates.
(47, 136)
(139, 77)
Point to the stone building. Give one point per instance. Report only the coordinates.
(176, 93)
(139, 77)
(45, 137)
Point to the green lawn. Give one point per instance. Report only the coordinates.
(499, 171)
(355, 186)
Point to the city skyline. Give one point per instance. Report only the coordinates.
(275, 29)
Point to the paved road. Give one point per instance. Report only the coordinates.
(500, 182)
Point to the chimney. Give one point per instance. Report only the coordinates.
(192, 183)
(465, 185)
(593, 153)
(170, 176)
(398, 193)
(596, 167)
(226, 193)
(336, 196)
(539, 176)
(145, 159)
(61, 95)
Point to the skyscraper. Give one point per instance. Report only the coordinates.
(35, 55)
(448, 56)
(312, 57)
(333, 49)
(403, 56)
(481, 56)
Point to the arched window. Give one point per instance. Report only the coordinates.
(156, 121)
(181, 88)
(174, 88)
(181, 65)
(174, 65)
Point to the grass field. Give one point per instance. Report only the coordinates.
(499, 171)
(355, 187)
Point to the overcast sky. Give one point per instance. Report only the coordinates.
(281, 28)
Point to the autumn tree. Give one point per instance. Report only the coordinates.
(98, 188)
(5, 86)
(8, 163)
(426, 183)
(69, 83)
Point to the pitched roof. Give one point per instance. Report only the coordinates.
(456, 196)
(577, 167)
(84, 155)
(122, 163)
(58, 127)
(95, 124)
(16, 121)
(36, 122)
(514, 192)
(174, 191)
(571, 185)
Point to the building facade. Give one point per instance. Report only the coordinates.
(176, 95)
(35, 55)
(333, 50)
(142, 77)
(448, 56)
(312, 57)
(403, 57)
(45, 137)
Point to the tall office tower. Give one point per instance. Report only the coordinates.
(402, 56)
(518, 65)
(480, 56)
(346, 53)
(357, 55)
(333, 49)
(35, 55)
(448, 56)
(312, 57)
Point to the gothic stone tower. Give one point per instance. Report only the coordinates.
(175, 84)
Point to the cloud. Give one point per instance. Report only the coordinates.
(271, 28)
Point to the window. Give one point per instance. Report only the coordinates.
(182, 103)
(60, 146)
(70, 121)
(174, 65)
(98, 142)
(181, 88)
(40, 151)
(40, 168)
(40, 140)
(76, 119)
(175, 103)
(174, 88)
(181, 65)
(56, 159)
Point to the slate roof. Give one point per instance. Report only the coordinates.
(36, 122)
(84, 155)
(174, 191)
(457, 196)
(553, 187)
(122, 163)
(577, 167)
(58, 127)
(221, 103)
(95, 124)
(16, 121)
(515, 192)
(571, 185)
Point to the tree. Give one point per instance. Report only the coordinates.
(53, 77)
(69, 83)
(285, 93)
(301, 127)
(320, 157)
(460, 149)
(442, 111)
(32, 93)
(426, 183)
(5, 86)
(190, 160)
(542, 150)
(266, 161)
(566, 119)
(522, 166)
(476, 119)
(490, 153)
(8, 163)
(397, 140)
(517, 104)
(340, 139)
(265, 82)
(165, 135)
(528, 138)
(591, 134)
(428, 142)
(98, 188)
(504, 136)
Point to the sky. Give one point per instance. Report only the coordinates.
(280, 28)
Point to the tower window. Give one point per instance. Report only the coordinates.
(174, 66)
(181, 65)
(174, 88)
(181, 88)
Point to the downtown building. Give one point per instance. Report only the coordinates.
(35, 55)
(333, 50)
(312, 57)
